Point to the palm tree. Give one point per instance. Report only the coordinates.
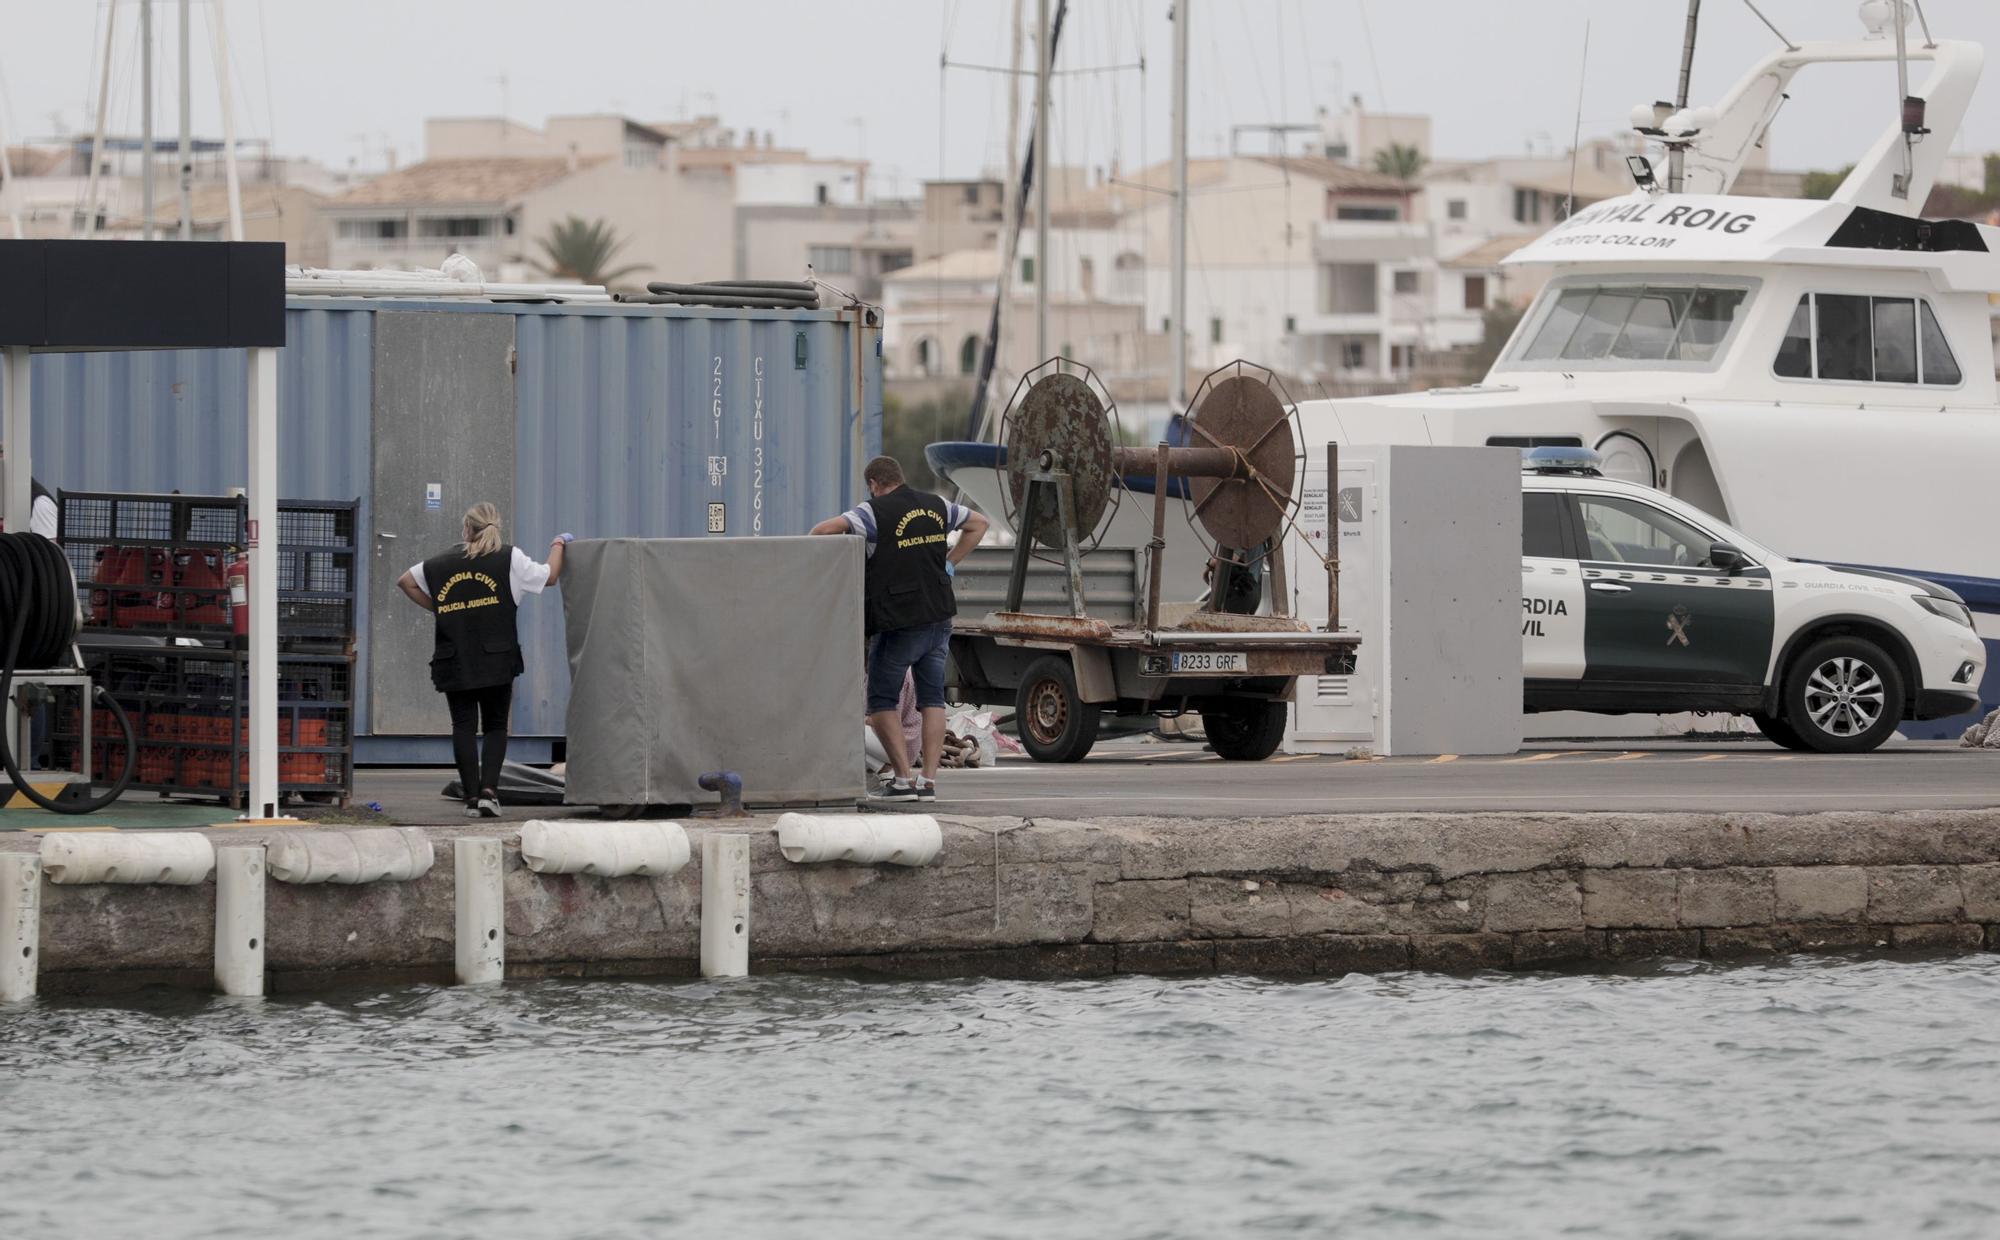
(1399, 161)
(583, 249)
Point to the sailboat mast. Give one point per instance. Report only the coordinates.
(146, 117)
(233, 180)
(187, 133)
(1177, 313)
(1677, 152)
(1043, 58)
(97, 133)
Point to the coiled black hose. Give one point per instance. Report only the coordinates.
(38, 592)
(750, 294)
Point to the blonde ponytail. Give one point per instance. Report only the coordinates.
(482, 530)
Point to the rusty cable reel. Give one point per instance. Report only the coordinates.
(1239, 409)
(1061, 420)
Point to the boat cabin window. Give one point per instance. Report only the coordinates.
(1634, 325)
(1855, 339)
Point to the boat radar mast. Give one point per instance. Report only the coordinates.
(1708, 146)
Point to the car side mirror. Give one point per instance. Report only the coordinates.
(1725, 557)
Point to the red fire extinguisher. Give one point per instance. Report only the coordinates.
(237, 574)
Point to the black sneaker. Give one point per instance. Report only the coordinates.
(472, 807)
(488, 805)
(926, 789)
(895, 790)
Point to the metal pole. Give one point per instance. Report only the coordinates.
(1177, 312)
(7, 184)
(1156, 550)
(263, 553)
(187, 134)
(228, 126)
(1332, 537)
(1676, 153)
(97, 133)
(17, 434)
(1042, 69)
(1900, 187)
(146, 116)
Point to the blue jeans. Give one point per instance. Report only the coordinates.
(920, 650)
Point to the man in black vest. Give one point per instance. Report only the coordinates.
(910, 606)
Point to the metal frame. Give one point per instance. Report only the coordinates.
(21, 724)
(1024, 547)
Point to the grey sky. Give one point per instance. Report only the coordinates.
(344, 80)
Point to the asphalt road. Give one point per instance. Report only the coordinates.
(1179, 780)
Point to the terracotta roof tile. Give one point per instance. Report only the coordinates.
(497, 180)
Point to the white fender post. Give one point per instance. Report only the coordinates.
(482, 931)
(875, 839)
(605, 850)
(239, 919)
(371, 855)
(725, 905)
(20, 925)
(172, 858)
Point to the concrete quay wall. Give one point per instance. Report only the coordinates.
(1049, 898)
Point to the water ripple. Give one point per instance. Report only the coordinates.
(1805, 1097)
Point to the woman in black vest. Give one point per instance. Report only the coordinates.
(474, 590)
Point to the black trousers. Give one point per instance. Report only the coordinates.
(474, 711)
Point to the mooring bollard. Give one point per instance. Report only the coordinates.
(725, 905)
(481, 908)
(239, 919)
(20, 924)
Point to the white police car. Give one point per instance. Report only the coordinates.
(1633, 602)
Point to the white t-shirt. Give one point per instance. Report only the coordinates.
(523, 574)
(42, 517)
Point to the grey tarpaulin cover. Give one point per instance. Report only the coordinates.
(702, 654)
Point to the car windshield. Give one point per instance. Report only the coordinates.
(1628, 324)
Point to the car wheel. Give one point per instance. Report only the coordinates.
(1246, 731)
(1056, 725)
(1778, 732)
(1843, 695)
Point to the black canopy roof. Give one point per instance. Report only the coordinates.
(84, 296)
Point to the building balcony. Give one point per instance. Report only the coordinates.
(1349, 241)
(1373, 323)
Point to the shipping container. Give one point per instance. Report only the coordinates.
(597, 420)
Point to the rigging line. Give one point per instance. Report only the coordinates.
(1374, 65)
(1088, 70)
(1789, 45)
(1250, 42)
(1576, 134)
(1305, 51)
(1925, 22)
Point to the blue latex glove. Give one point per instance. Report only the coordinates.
(950, 569)
(565, 538)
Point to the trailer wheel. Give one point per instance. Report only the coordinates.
(1246, 731)
(1056, 725)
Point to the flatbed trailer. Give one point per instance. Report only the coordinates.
(1063, 674)
(1064, 670)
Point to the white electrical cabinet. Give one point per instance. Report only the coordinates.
(1430, 577)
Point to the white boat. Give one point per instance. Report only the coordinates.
(1818, 374)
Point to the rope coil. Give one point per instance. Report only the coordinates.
(38, 590)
